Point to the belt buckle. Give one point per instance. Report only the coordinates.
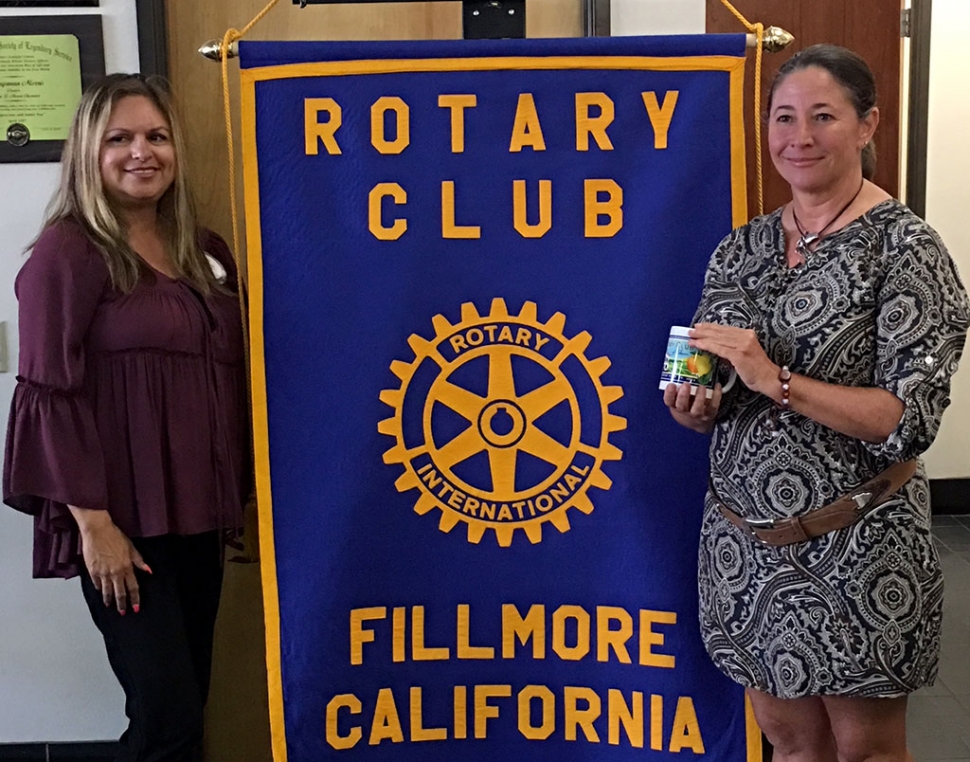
(755, 524)
(862, 499)
(867, 496)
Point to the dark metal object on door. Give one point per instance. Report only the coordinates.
(493, 19)
(481, 19)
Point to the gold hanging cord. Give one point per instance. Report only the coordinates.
(225, 53)
(222, 52)
(759, 33)
(772, 39)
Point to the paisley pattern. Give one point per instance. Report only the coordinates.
(858, 611)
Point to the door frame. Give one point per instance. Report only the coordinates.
(918, 107)
(152, 37)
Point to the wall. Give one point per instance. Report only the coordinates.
(630, 17)
(948, 167)
(55, 684)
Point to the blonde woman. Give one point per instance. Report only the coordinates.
(127, 437)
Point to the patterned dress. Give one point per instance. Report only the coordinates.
(858, 611)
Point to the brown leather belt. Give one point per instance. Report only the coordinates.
(845, 511)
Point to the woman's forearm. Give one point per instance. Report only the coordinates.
(90, 518)
(866, 413)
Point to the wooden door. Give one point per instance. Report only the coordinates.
(197, 81)
(869, 27)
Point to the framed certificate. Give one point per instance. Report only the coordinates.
(45, 63)
(49, 3)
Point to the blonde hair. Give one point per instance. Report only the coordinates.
(81, 195)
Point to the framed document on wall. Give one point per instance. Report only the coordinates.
(45, 63)
(49, 3)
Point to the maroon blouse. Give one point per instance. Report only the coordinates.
(131, 403)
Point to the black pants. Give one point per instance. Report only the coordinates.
(162, 656)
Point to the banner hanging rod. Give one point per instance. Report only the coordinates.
(775, 40)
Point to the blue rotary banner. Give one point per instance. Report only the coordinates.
(478, 522)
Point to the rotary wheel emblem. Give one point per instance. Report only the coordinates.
(501, 422)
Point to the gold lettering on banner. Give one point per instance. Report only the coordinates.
(587, 125)
(449, 229)
(547, 700)
(606, 715)
(610, 207)
(629, 717)
(572, 627)
(520, 213)
(358, 635)
(607, 638)
(351, 703)
(419, 652)
(402, 124)
(535, 707)
(418, 731)
(656, 723)
(465, 650)
(526, 130)
(315, 131)
(649, 638)
(660, 116)
(398, 633)
(390, 134)
(576, 718)
(485, 711)
(457, 104)
(461, 711)
(581, 617)
(686, 732)
(375, 221)
(387, 724)
(531, 627)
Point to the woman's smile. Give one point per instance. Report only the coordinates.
(137, 155)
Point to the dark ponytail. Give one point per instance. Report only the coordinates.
(869, 160)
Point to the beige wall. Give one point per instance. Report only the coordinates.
(55, 684)
(948, 201)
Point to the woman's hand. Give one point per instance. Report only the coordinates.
(867, 413)
(110, 558)
(739, 347)
(694, 411)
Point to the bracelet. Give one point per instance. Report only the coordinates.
(784, 376)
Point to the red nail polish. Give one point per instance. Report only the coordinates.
(122, 612)
(136, 608)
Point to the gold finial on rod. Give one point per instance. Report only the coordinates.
(213, 50)
(773, 40)
(776, 39)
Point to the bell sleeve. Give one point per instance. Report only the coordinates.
(921, 327)
(53, 455)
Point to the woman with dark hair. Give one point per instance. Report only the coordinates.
(845, 318)
(127, 439)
